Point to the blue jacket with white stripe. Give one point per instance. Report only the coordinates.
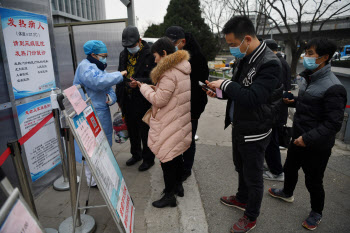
(253, 87)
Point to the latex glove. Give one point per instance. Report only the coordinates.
(109, 100)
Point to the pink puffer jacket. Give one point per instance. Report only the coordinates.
(170, 131)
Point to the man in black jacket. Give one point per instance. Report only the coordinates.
(250, 111)
(318, 117)
(199, 72)
(273, 154)
(137, 59)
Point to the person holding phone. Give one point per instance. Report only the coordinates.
(249, 110)
(199, 65)
(170, 133)
(137, 59)
(319, 112)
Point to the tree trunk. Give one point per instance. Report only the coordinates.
(295, 60)
(293, 67)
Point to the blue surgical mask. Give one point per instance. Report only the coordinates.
(310, 63)
(103, 60)
(134, 50)
(176, 48)
(236, 52)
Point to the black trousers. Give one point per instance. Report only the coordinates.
(248, 158)
(172, 173)
(188, 155)
(273, 154)
(314, 163)
(138, 133)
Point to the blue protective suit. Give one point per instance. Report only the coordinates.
(98, 84)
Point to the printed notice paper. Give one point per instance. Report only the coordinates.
(28, 50)
(42, 149)
(19, 220)
(75, 99)
(87, 138)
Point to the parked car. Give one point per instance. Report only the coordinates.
(150, 41)
(345, 51)
(345, 58)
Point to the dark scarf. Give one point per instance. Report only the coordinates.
(99, 64)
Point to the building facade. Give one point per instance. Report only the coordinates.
(67, 11)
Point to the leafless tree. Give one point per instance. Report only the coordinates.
(286, 14)
(216, 14)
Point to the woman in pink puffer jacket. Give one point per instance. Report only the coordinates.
(170, 131)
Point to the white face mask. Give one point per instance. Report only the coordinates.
(134, 50)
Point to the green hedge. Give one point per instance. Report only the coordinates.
(345, 64)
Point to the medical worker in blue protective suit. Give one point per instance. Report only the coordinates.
(98, 85)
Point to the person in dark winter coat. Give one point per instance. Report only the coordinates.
(250, 108)
(273, 154)
(137, 59)
(200, 72)
(318, 117)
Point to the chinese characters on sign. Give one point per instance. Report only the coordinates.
(126, 208)
(41, 149)
(28, 51)
(19, 220)
(75, 99)
(104, 166)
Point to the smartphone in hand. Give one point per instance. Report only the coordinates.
(205, 86)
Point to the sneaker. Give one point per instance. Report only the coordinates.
(233, 202)
(278, 193)
(265, 168)
(243, 225)
(267, 175)
(312, 221)
(196, 137)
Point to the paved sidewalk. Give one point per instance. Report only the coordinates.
(341, 71)
(200, 210)
(216, 176)
(145, 187)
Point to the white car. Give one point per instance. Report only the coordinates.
(150, 41)
(344, 58)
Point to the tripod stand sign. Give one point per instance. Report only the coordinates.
(98, 154)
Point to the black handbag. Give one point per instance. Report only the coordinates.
(284, 136)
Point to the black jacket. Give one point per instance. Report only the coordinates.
(135, 101)
(255, 85)
(286, 80)
(200, 72)
(319, 107)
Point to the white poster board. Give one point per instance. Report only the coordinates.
(94, 145)
(19, 220)
(41, 149)
(28, 49)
